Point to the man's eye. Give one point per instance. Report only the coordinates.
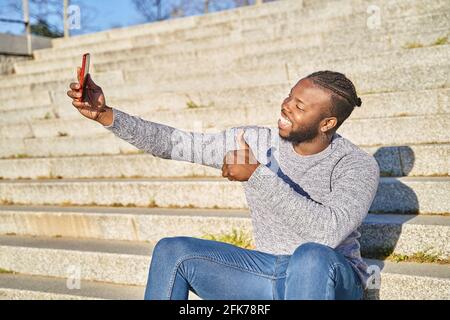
(300, 108)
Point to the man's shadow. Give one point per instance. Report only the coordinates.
(379, 238)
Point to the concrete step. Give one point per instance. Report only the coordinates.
(239, 53)
(259, 42)
(174, 24)
(121, 262)
(381, 234)
(56, 82)
(384, 79)
(272, 12)
(127, 263)
(395, 195)
(228, 30)
(233, 55)
(392, 35)
(344, 58)
(287, 24)
(26, 287)
(40, 122)
(413, 160)
(111, 78)
(411, 281)
(377, 132)
(174, 105)
(214, 50)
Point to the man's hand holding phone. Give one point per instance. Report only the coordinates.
(88, 97)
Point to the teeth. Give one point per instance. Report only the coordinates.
(285, 121)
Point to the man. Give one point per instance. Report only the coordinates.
(308, 190)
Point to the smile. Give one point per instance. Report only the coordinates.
(284, 122)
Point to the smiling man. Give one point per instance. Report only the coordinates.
(308, 190)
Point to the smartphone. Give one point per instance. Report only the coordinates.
(84, 72)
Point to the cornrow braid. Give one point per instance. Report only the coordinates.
(338, 83)
(344, 97)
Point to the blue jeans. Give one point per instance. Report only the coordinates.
(221, 271)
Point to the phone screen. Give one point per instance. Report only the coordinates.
(84, 72)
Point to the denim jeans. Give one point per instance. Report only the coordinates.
(220, 271)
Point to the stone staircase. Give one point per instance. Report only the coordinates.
(77, 202)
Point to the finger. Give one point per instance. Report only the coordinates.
(80, 104)
(230, 175)
(75, 86)
(79, 74)
(241, 141)
(74, 94)
(224, 171)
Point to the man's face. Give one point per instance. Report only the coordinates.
(302, 112)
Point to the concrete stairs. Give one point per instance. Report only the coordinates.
(74, 199)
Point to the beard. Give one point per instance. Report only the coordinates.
(304, 134)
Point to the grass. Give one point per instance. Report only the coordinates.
(441, 41)
(438, 42)
(50, 176)
(174, 206)
(6, 202)
(131, 152)
(419, 257)
(236, 237)
(192, 105)
(152, 204)
(51, 115)
(4, 271)
(413, 45)
(20, 156)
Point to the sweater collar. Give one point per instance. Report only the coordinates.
(317, 156)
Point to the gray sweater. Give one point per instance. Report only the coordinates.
(293, 199)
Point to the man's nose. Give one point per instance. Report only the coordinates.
(285, 105)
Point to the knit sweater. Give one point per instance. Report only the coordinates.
(293, 199)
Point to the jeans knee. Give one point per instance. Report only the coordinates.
(173, 246)
(311, 256)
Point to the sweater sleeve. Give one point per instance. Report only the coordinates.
(353, 188)
(167, 142)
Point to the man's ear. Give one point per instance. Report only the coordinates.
(328, 124)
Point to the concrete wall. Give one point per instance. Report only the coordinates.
(13, 48)
(17, 45)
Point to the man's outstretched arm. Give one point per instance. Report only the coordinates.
(157, 139)
(166, 142)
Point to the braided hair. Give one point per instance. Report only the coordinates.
(343, 93)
